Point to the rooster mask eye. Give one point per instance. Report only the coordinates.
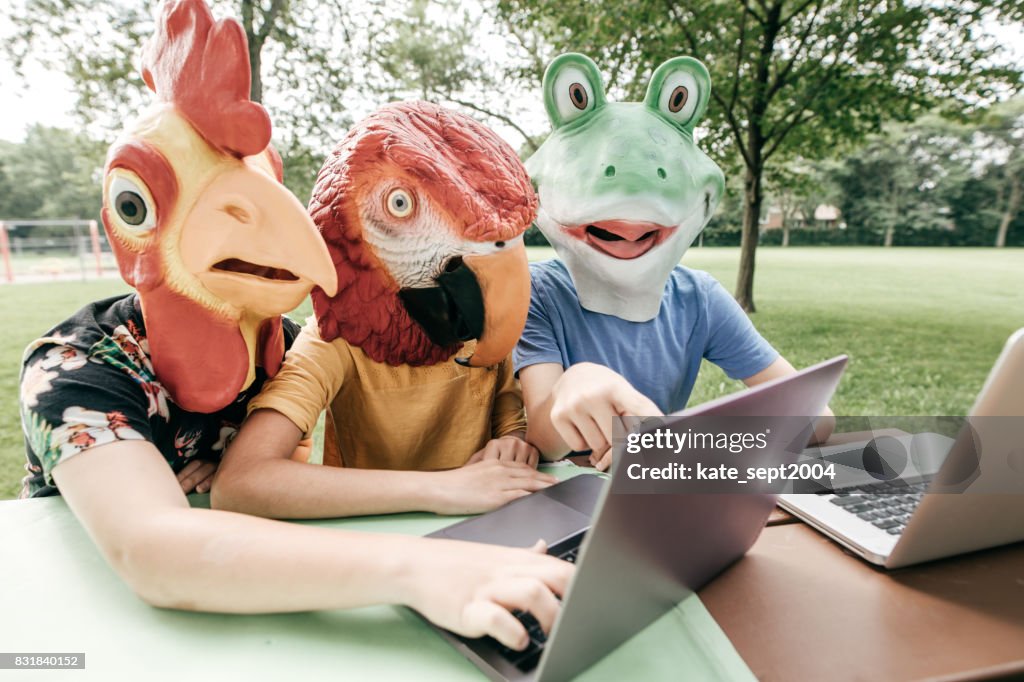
(133, 207)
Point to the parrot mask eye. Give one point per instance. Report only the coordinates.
(399, 203)
(131, 205)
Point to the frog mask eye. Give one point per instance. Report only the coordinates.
(679, 91)
(572, 88)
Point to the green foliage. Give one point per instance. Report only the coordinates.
(53, 174)
(534, 237)
(791, 77)
(1001, 136)
(897, 182)
(432, 52)
(935, 181)
(425, 55)
(301, 166)
(805, 75)
(300, 50)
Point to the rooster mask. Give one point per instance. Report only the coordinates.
(423, 210)
(198, 219)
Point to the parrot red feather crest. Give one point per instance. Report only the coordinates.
(408, 194)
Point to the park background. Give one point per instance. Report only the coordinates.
(873, 152)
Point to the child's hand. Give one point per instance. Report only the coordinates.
(303, 450)
(510, 448)
(585, 399)
(470, 588)
(481, 487)
(601, 460)
(197, 476)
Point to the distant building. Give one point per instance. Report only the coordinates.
(826, 217)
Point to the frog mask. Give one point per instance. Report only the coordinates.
(623, 189)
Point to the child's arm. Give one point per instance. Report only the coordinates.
(823, 426)
(258, 476)
(174, 556)
(572, 410)
(508, 442)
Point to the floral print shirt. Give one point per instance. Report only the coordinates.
(89, 381)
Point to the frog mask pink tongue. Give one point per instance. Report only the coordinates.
(622, 239)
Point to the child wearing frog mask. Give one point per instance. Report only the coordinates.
(617, 327)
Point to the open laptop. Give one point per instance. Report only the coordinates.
(917, 521)
(637, 555)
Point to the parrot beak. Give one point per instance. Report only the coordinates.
(504, 280)
(252, 244)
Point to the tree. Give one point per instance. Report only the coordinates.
(53, 174)
(299, 48)
(796, 188)
(792, 77)
(1001, 135)
(902, 181)
(432, 52)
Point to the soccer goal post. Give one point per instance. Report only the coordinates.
(40, 250)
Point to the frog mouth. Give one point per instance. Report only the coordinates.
(622, 239)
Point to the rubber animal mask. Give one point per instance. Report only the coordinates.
(198, 219)
(623, 189)
(423, 210)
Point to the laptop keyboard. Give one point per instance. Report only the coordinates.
(528, 658)
(886, 505)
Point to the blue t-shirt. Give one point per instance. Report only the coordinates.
(661, 357)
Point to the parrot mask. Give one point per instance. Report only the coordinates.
(423, 210)
(198, 219)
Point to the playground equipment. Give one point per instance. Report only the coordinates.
(77, 245)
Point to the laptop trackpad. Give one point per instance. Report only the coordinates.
(520, 523)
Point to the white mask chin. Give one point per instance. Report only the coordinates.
(629, 289)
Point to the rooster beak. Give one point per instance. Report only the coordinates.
(252, 244)
(504, 280)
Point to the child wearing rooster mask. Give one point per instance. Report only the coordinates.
(128, 405)
(423, 210)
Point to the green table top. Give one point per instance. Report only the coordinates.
(58, 595)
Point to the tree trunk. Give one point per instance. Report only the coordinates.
(785, 234)
(895, 206)
(754, 160)
(1012, 208)
(752, 198)
(255, 63)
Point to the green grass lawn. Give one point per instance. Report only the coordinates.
(921, 326)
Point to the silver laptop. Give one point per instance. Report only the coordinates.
(669, 545)
(922, 520)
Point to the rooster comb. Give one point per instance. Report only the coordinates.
(201, 66)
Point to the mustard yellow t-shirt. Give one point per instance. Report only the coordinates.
(386, 417)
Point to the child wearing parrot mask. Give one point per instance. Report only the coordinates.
(121, 401)
(617, 326)
(423, 210)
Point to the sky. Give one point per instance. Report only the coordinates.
(45, 96)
